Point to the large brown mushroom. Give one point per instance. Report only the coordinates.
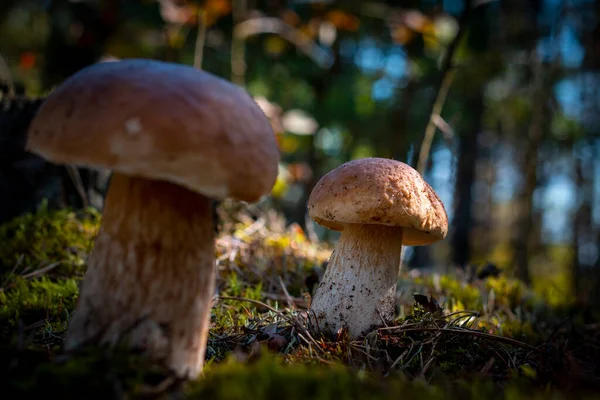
(379, 205)
(174, 138)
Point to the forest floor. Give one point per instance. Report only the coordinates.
(454, 337)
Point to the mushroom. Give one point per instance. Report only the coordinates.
(378, 204)
(174, 138)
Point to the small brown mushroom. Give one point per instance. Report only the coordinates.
(378, 204)
(174, 137)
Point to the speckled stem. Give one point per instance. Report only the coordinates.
(359, 286)
(151, 275)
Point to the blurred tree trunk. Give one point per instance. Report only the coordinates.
(591, 41)
(398, 143)
(525, 224)
(465, 179)
(484, 242)
(577, 225)
(321, 85)
(586, 277)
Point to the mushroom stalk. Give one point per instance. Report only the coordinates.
(359, 286)
(151, 274)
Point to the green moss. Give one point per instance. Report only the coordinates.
(94, 371)
(270, 378)
(35, 241)
(42, 258)
(117, 374)
(28, 302)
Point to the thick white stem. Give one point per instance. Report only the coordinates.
(151, 275)
(359, 286)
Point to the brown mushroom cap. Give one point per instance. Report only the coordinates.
(162, 121)
(379, 191)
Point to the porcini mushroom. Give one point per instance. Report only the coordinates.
(378, 204)
(174, 138)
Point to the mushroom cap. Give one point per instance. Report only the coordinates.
(379, 191)
(162, 121)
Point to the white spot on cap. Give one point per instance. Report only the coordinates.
(133, 126)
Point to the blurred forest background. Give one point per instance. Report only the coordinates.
(494, 102)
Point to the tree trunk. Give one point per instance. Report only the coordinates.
(585, 276)
(524, 227)
(398, 142)
(577, 223)
(320, 85)
(484, 241)
(465, 179)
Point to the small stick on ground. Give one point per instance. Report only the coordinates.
(41, 271)
(288, 298)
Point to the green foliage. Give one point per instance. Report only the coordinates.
(36, 240)
(270, 378)
(41, 299)
(42, 259)
(95, 371)
(265, 378)
(564, 128)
